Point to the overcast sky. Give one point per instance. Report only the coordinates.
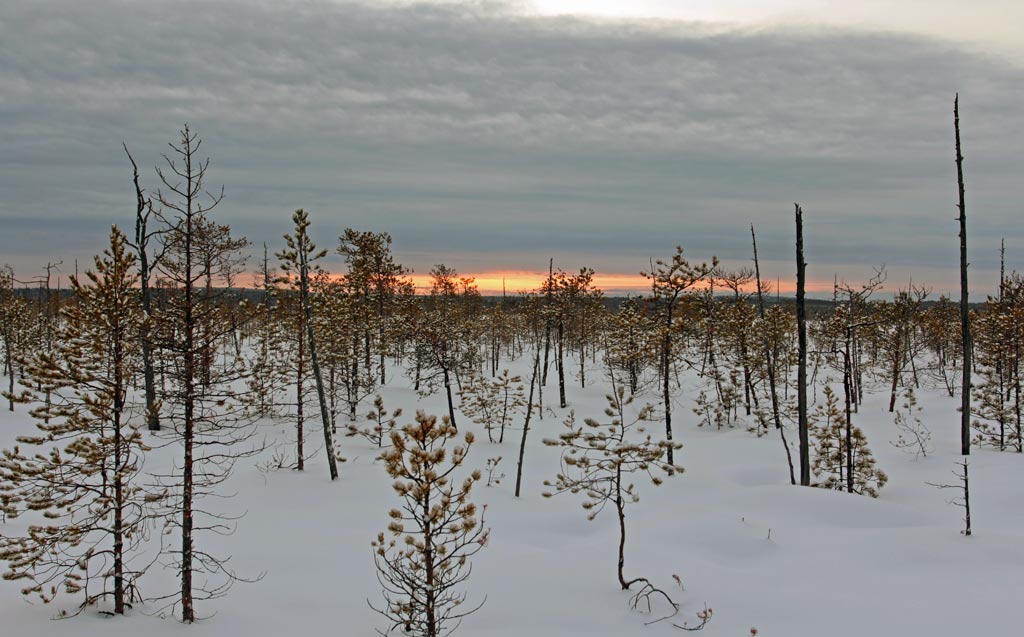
(492, 135)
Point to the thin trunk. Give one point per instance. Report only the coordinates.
(448, 393)
(621, 510)
(142, 210)
(299, 402)
(895, 379)
(429, 591)
(307, 309)
(526, 424)
(561, 363)
(187, 611)
(965, 327)
(801, 374)
(770, 362)
(849, 422)
(118, 530)
(967, 501)
(666, 363)
(10, 375)
(547, 321)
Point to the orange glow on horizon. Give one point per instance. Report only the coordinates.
(494, 282)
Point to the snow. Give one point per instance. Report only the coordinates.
(789, 561)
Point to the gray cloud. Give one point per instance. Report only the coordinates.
(475, 129)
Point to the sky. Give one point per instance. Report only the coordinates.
(492, 136)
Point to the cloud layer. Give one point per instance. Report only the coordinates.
(481, 136)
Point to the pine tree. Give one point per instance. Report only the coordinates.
(913, 436)
(446, 332)
(834, 444)
(492, 403)
(267, 337)
(671, 283)
(598, 459)
(998, 339)
(381, 423)
(14, 327)
(631, 349)
(377, 282)
(299, 258)
(433, 534)
(339, 327)
(84, 479)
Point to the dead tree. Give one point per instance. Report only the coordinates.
(770, 362)
(201, 403)
(801, 374)
(143, 237)
(965, 325)
(964, 499)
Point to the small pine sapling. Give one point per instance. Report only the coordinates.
(597, 460)
(381, 423)
(834, 444)
(434, 533)
(718, 409)
(492, 403)
(493, 477)
(913, 436)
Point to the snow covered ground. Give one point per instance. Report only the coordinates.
(790, 561)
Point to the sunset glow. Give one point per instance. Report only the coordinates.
(511, 282)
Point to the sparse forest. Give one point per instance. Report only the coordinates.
(183, 357)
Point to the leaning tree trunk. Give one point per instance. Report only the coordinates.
(448, 393)
(770, 362)
(526, 424)
(314, 360)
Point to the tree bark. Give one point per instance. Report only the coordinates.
(801, 375)
(526, 425)
(965, 326)
(332, 463)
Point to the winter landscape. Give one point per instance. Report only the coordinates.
(489, 318)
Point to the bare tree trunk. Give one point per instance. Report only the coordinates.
(849, 422)
(188, 614)
(967, 502)
(561, 363)
(307, 310)
(526, 424)
(143, 207)
(770, 362)
(621, 510)
(965, 326)
(547, 321)
(10, 373)
(300, 462)
(666, 364)
(448, 392)
(801, 374)
(895, 375)
(119, 462)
